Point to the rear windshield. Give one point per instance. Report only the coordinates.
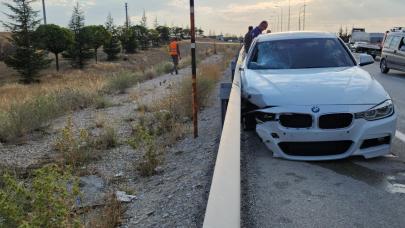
(300, 54)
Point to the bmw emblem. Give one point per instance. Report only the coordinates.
(315, 109)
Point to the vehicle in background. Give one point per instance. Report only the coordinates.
(393, 53)
(308, 98)
(363, 42)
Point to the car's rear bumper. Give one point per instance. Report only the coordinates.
(272, 134)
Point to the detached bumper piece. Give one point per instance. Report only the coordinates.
(315, 148)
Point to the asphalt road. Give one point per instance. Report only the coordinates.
(349, 193)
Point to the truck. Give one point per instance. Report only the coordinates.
(363, 42)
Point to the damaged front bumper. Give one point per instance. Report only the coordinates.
(361, 137)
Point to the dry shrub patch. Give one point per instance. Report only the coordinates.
(46, 202)
(76, 150)
(110, 215)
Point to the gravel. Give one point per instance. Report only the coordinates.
(175, 197)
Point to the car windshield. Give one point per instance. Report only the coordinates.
(300, 54)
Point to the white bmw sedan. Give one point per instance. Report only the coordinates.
(309, 99)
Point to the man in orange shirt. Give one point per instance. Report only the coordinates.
(174, 52)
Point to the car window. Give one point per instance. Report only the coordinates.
(402, 44)
(300, 54)
(395, 42)
(387, 42)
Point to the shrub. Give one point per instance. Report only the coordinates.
(110, 215)
(152, 156)
(46, 202)
(74, 150)
(101, 102)
(121, 82)
(107, 139)
(164, 68)
(22, 118)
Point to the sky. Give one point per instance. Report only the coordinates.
(234, 16)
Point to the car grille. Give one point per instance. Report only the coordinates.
(296, 120)
(315, 148)
(335, 121)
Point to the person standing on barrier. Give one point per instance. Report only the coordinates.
(248, 38)
(255, 33)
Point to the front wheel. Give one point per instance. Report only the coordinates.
(383, 66)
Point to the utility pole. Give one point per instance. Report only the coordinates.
(281, 20)
(44, 10)
(289, 14)
(303, 26)
(194, 69)
(126, 13)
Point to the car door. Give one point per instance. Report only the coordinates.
(394, 60)
(401, 54)
(387, 52)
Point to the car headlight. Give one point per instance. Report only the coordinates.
(380, 111)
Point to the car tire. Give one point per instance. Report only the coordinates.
(248, 122)
(383, 66)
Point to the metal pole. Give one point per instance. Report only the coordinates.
(44, 10)
(305, 5)
(289, 14)
(194, 69)
(126, 13)
(281, 18)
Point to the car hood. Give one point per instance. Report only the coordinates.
(320, 86)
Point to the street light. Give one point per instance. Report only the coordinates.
(281, 20)
(300, 12)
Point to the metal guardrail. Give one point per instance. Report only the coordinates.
(223, 208)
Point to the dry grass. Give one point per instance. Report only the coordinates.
(110, 215)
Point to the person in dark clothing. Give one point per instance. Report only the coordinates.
(248, 38)
(256, 32)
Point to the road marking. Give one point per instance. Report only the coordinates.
(400, 136)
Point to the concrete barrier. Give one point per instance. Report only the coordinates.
(223, 208)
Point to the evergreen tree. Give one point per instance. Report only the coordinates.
(128, 39)
(26, 59)
(112, 47)
(79, 52)
(54, 38)
(144, 20)
(156, 23)
(97, 35)
(164, 33)
(141, 35)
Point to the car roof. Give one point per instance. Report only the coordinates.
(294, 35)
(396, 33)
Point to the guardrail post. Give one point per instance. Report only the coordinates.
(225, 91)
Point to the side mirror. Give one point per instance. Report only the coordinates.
(366, 59)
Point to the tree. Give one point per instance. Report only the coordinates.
(156, 23)
(112, 46)
(27, 60)
(144, 20)
(154, 37)
(79, 52)
(200, 32)
(54, 39)
(142, 35)
(176, 32)
(97, 36)
(164, 33)
(128, 39)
